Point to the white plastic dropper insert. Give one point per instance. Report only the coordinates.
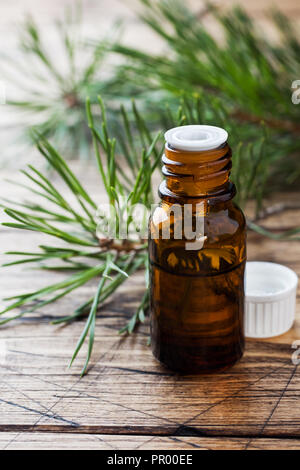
(196, 137)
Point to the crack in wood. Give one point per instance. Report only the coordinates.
(46, 414)
(154, 431)
(276, 406)
(233, 395)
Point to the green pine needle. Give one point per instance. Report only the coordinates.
(83, 254)
(243, 83)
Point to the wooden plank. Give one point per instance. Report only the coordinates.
(126, 391)
(46, 441)
(128, 400)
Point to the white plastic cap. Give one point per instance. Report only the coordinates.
(270, 299)
(196, 137)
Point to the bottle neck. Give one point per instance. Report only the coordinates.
(201, 174)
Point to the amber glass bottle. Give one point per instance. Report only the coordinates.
(197, 276)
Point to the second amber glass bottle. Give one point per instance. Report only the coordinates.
(197, 255)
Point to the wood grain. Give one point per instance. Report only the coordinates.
(128, 401)
(44, 441)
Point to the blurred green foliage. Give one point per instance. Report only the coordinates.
(245, 78)
(53, 75)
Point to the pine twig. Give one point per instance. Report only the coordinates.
(116, 258)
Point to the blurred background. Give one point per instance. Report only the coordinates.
(99, 19)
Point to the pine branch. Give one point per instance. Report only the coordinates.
(54, 98)
(249, 75)
(116, 259)
(88, 252)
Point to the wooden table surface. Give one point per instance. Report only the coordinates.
(127, 400)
